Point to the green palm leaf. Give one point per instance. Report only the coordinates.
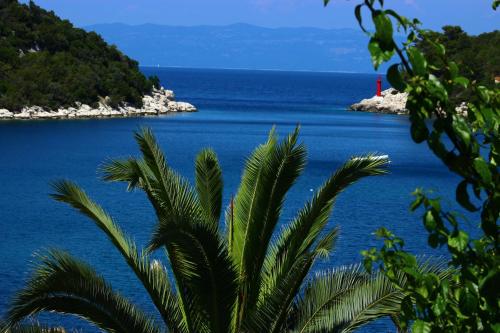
(30, 328)
(299, 236)
(209, 184)
(199, 259)
(269, 174)
(154, 281)
(65, 285)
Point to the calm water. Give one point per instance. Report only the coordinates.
(237, 109)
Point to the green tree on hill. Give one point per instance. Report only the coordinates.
(477, 57)
(45, 61)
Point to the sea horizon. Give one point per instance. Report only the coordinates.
(264, 70)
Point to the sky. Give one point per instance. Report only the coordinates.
(475, 16)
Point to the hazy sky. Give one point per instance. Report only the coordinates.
(474, 16)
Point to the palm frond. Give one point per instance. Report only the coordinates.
(303, 232)
(269, 174)
(374, 299)
(122, 171)
(248, 197)
(277, 301)
(154, 281)
(66, 285)
(322, 293)
(31, 328)
(201, 263)
(342, 300)
(209, 184)
(243, 282)
(198, 257)
(271, 312)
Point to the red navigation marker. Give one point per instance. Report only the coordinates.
(379, 86)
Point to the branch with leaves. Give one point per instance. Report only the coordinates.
(469, 146)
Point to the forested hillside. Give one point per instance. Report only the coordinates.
(478, 56)
(46, 61)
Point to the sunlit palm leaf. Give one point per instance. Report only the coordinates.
(155, 281)
(209, 184)
(299, 236)
(269, 174)
(199, 258)
(66, 285)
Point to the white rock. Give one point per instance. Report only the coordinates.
(391, 101)
(22, 115)
(159, 102)
(181, 107)
(4, 113)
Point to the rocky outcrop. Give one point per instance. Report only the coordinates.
(391, 101)
(394, 102)
(160, 101)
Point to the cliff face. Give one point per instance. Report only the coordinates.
(391, 101)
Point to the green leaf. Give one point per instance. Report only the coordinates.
(436, 88)
(440, 49)
(429, 221)
(420, 326)
(463, 197)
(459, 242)
(394, 77)
(417, 60)
(419, 131)
(357, 13)
(462, 130)
(439, 306)
(416, 203)
(453, 68)
(462, 81)
(401, 19)
(433, 240)
(384, 30)
(482, 169)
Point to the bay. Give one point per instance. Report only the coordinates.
(237, 109)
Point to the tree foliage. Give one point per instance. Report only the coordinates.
(469, 146)
(45, 61)
(477, 57)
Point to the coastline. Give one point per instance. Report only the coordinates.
(390, 101)
(160, 101)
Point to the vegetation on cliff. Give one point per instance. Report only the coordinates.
(477, 57)
(46, 61)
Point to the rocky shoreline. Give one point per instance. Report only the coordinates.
(394, 102)
(391, 102)
(161, 101)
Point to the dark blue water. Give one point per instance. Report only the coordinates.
(237, 110)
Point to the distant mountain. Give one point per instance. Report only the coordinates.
(241, 46)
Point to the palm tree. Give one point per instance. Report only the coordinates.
(245, 276)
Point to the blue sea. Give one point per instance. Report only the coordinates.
(237, 109)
